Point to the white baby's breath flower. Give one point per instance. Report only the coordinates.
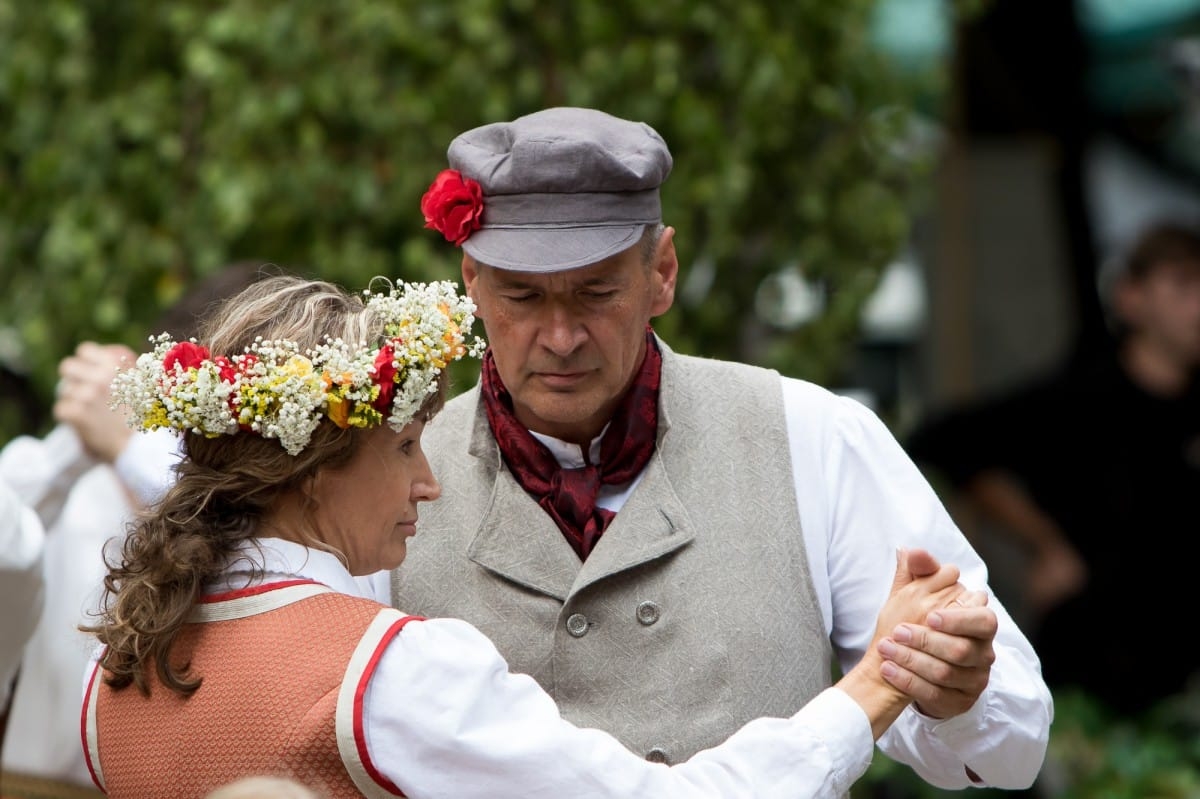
(277, 391)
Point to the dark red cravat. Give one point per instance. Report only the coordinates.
(569, 495)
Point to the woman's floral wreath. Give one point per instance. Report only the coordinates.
(275, 390)
(453, 206)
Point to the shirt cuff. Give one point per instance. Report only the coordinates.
(846, 731)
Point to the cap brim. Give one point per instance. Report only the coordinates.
(549, 249)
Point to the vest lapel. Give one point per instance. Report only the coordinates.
(653, 523)
(514, 540)
(519, 542)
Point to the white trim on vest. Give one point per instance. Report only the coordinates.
(351, 737)
(265, 598)
(91, 746)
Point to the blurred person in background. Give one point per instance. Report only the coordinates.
(21, 410)
(1094, 470)
(85, 479)
(21, 588)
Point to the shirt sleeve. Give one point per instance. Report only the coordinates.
(860, 499)
(42, 470)
(444, 717)
(147, 464)
(21, 582)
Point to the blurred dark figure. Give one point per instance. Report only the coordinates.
(20, 408)
(1095, 471)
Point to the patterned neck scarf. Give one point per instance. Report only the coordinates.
(569, 495)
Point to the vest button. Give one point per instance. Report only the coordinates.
(648, 612)
(577, 625)
(657, 755)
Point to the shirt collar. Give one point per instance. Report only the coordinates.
(280, 559)
(568, 455)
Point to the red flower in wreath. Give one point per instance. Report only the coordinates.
(453, 206)
(226, 368)
(187, 354)
(385, 377)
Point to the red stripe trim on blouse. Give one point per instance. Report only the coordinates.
(241, 593)
(83, 726)
(360, 738)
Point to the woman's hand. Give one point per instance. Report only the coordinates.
(921, 588)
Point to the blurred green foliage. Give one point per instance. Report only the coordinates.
(143, 145)
(1093, 754)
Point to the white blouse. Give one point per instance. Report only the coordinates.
(444, 717)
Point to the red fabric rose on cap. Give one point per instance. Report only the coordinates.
(453, 206)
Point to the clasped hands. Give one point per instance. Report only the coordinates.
(83, 394)
(943, 663)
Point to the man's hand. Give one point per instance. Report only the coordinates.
(920, 586)
(83, 394)
(944, 664)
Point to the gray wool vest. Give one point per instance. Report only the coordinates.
(695, 612)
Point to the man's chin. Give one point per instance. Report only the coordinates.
(559, 412)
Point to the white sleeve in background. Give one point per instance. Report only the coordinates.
(42, 470)
(860, 499)
(22, 589)
(147, 464)
(445, 718)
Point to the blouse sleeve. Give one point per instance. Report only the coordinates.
(444, 717)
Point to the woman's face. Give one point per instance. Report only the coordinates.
(367, 509)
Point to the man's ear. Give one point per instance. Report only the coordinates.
(470, 274)
(666, 273)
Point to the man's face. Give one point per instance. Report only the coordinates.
(568, 344)
(1163, 310)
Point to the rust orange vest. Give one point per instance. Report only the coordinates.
(284, 669)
